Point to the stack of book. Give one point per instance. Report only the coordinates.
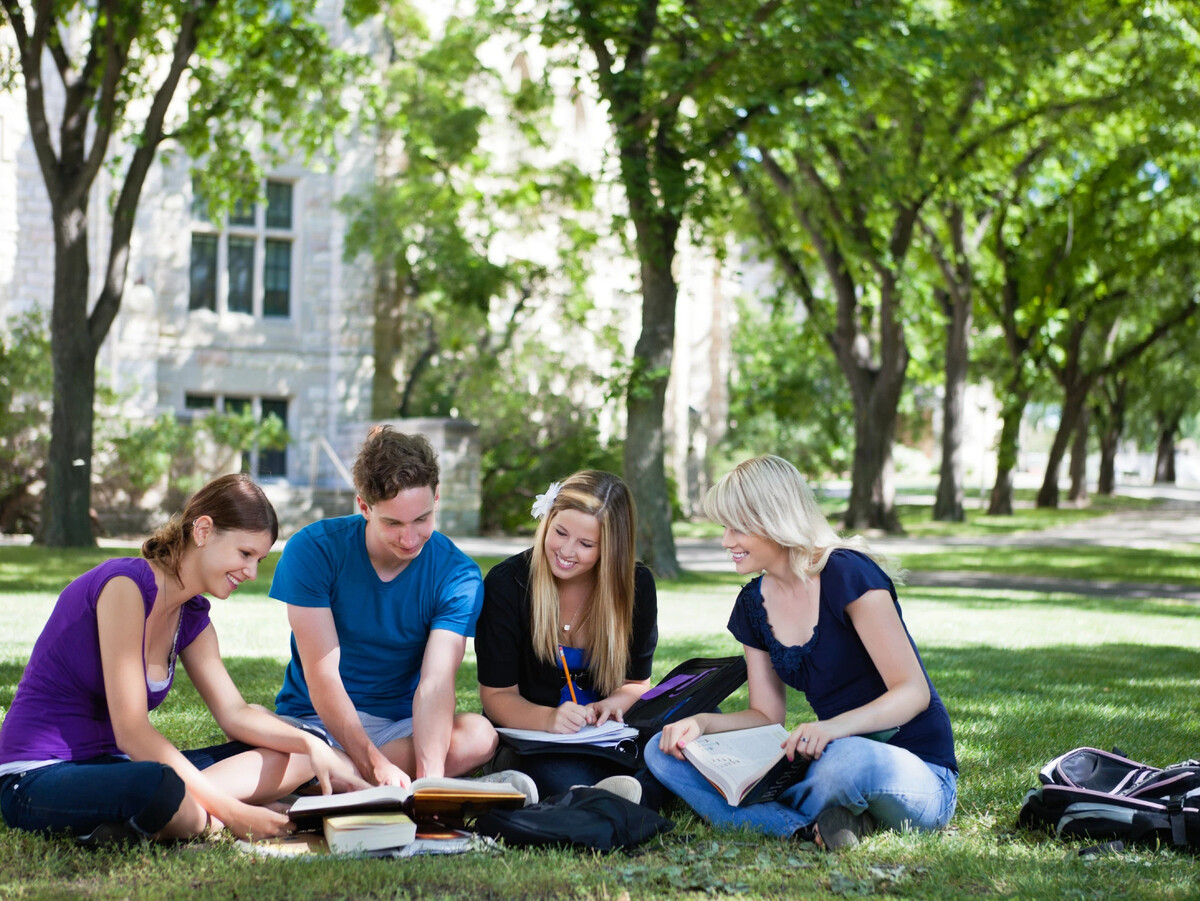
(387, 819)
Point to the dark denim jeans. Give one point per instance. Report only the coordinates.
(78, 796)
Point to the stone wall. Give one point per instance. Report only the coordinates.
(456, 442)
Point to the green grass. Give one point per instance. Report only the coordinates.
(916, 521)
(1025, 676)
(1172, 566)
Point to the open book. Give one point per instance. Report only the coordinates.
(427, 798)
(748, 766)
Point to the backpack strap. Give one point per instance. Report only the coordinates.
(1178, 822)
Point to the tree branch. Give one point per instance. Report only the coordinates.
(30, 47)
(151, 136)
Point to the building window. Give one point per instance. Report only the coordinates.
(203, 295)
(246, 266)
(273, 463)
(277, 277)
(260, 463)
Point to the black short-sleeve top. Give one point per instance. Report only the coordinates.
(503, 637)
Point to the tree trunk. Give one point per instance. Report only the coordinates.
(645, 444)
(66, 519)
(1106, 484)
(1072, 413)
(872, 492)
(876, 390)
(1164, 461)
(389, 313)
(1001, 502)
(948, 506)
(1079, 492)
(1112, 427)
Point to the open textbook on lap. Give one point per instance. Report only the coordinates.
(748, 766)
(609, 734)
(425, 798)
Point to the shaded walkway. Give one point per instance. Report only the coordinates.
(1175, 522)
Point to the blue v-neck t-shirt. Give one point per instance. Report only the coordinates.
(382, 627)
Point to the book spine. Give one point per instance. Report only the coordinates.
(777, 780)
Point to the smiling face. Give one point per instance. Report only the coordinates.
(753, 553)
(227, 559)
(397, 529)
(572, 544)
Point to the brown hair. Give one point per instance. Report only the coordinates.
(390, 462)
(233, 503)
(609, 610)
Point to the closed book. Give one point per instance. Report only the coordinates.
(364, 832)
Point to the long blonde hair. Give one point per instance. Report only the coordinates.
(766, 496)
(609, 610)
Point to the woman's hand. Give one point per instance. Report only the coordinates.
(676, 735)
(610, 708)
(250, 821)
(809, 740)
(569, 717)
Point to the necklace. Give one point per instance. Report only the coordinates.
(567, 625)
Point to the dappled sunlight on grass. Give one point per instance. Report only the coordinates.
(1025, 676)
(1079, 561)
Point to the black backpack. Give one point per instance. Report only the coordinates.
(583, 817)
(1105, 796)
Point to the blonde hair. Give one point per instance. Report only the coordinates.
(766, 496)
(608, 612)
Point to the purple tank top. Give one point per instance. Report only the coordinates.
(60, 710)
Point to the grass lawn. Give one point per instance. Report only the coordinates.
(1025, 676)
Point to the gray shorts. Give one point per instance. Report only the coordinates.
(379, 729)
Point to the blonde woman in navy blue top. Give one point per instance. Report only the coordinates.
(820, 616)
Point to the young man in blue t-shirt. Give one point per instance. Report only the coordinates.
(380, 607)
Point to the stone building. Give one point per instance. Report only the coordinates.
(265, 311)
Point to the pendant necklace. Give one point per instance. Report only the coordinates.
(567, 625)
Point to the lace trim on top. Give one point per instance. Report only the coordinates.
(166, 683)
(787, 660)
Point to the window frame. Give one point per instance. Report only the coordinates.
(199, 403)
(243, 231)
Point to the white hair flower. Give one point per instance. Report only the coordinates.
(543, 502)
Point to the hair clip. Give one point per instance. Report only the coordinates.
(543, 502)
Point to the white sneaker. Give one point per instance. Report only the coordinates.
(518, 780)
(622, 786)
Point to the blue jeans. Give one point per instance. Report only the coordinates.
(78, 796)
(899, 789)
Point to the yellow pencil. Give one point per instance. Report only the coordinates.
(570, 685)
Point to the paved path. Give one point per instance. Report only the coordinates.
(1176, 522)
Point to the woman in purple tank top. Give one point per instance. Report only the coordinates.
(78, 753)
